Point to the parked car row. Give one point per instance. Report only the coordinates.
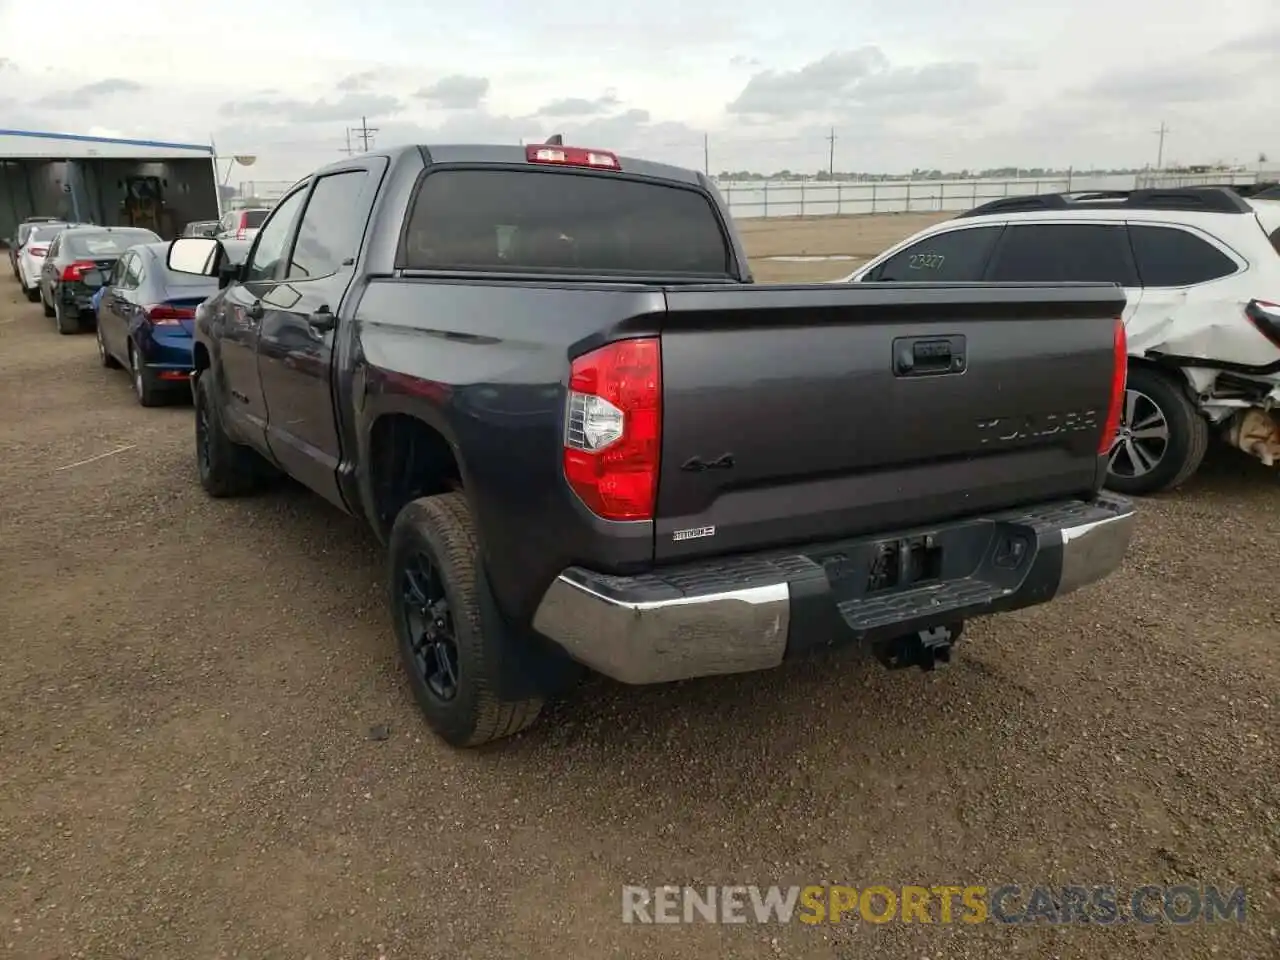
(115, 281)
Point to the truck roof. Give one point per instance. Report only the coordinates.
(514, 154)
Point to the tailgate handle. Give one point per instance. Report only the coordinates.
(928, 356)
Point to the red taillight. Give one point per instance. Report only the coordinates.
(75, 272)
(244, 225)
(613, 429)
(1265, 317)
(37, 251)
(1119, 373)
(164, 315)
(572, 157)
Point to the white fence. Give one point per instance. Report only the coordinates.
(816, 198)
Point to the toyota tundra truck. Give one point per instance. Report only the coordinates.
(545, 378)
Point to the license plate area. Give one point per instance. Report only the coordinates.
(903, 563)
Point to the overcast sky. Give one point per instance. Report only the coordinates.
(904, 85)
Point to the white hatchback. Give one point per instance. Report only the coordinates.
(1200, 267)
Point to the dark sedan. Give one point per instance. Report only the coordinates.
(146, 313)
(76, 265)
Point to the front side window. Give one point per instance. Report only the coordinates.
(274, 238)
(1064, 253)
(956, 256)
(332, 225)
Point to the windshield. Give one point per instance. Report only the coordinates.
(106, 244)
(517, 220)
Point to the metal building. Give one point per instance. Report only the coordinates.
(149, 183)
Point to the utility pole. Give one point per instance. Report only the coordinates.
(706, 154)
(1160, 150)
(349, 149)
(365, 133)
(831, 155)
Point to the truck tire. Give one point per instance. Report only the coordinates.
(435, 606)
(226, 468)
(1168, 443)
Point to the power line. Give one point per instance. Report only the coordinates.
(1160, 150)
(364, 133)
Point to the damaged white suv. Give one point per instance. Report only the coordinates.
(1201, 269)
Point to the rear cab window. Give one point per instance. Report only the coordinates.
(252, 219)
(583, 223)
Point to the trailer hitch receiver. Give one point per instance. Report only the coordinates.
(926, 649)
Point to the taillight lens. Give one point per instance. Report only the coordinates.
(613, 429)
(1265, 317)
(1119, 373)
(74, 272)
(37, 251)
(164, 315)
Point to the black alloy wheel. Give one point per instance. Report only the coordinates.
(429, 622)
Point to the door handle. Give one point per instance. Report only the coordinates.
(928, 356)
(322, 321)
(255, 311)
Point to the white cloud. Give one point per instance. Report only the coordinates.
(902, 85)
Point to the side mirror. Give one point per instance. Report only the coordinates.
(200, 256)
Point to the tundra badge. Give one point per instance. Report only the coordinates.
(693, 533)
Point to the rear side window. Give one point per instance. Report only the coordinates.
(1064, 253)
(1275, 240)
(957, 256)
(557, 222)
(1169, 257)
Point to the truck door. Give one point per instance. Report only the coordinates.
(300, 326)
(244, 307)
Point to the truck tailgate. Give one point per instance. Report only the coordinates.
(814, 412)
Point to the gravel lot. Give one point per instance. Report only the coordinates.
(188, 687)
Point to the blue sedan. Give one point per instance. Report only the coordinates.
(146, 315)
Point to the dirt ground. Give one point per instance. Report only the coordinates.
(188, 689)
(853, 239)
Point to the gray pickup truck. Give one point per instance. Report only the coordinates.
(544, 377)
